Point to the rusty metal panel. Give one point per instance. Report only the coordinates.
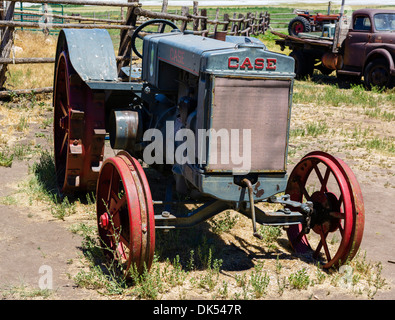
(261, 105)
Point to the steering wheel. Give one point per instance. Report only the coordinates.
(144, 25)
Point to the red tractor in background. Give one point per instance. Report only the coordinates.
(306, 22)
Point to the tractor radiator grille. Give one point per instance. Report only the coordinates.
(261, 105)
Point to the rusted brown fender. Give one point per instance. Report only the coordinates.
(381, 52)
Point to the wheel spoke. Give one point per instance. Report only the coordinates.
(110, 184)
(63, 108)
(299, 238)
(338, 215)
(326, 249)
(321, 244)
(341, 229)
(117, 202)
(325, 180)
(64, 142)
(304, 191)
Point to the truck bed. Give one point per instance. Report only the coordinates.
(287, 40)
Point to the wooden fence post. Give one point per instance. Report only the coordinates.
(7, 40)
(195, 13)
(184, 12)
(125, 46)
(226, 19)
(203, 22)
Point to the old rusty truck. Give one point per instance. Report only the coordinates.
(363, 47)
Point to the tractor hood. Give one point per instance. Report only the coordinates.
(237, 56)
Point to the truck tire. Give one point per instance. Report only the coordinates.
(304, 64)
(297, 25)
(377, 74)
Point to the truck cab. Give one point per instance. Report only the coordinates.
(369, 47)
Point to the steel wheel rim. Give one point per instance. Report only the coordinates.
(79, 130)
(348, 222)
(61, 119)
(380, 76)
(126, 223)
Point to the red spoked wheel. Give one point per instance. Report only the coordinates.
(297, 25)
(125, 213)
(338, 218)
(79, 130)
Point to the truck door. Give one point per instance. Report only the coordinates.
(356, 40)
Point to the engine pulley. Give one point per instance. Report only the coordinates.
(124, 129)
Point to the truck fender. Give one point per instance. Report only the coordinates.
(380, 53)
(91, 53)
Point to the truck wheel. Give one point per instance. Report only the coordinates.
(377, 74)
(297, 25)
(304, 65)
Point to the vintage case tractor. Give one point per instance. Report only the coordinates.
(196, 86)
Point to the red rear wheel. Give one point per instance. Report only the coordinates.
(297, 25)
(79, 130)
(125, 213)
(338, 221)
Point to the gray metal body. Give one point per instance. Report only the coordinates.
(209, 61)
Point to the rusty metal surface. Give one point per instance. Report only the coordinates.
(320, 42)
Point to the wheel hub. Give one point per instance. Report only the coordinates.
(104, 221)
(379, 76)
(326, 212)
(298, 27)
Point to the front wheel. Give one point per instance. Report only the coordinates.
(338, 219)
(125, 214)
(377, 74)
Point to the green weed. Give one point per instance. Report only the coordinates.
(224, 223)
(259, 281)
(269, 235)
(299, 280)
(6, 158)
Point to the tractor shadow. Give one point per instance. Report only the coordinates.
(199, 244)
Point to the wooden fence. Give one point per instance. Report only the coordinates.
(194, 19)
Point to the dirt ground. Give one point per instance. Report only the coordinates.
(31, 241)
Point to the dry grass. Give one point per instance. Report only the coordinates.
(31, 45)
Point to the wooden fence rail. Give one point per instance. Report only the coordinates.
(103, 3)
(66, 17)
